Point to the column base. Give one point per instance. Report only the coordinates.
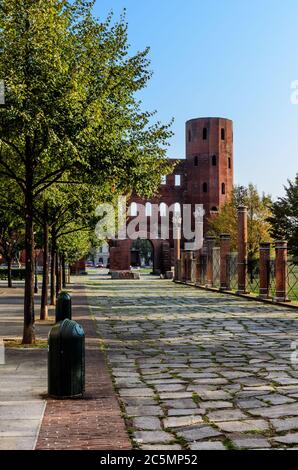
(125, 275)
(281, 299)
(263, 296)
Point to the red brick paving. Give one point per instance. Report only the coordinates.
(92, 423)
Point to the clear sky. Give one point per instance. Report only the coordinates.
(227, 58)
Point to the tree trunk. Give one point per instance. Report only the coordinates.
(63, 271)
(60, 274)
(58, 271)
(53, 266)
(9, 277)
(28, 331)
(45, 271)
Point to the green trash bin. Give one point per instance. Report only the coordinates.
(66, 360)
(63, 307)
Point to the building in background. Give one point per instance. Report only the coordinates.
(205, 176)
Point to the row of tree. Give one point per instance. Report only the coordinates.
(72, 132)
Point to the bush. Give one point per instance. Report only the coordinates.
(16, 274)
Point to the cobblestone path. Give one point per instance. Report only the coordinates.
(196, 369)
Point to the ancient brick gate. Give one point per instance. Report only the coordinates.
(204, 177)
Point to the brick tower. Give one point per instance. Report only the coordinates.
(209, 162)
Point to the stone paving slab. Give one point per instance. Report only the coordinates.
(23, 377)
(21, 398)
(216, 368)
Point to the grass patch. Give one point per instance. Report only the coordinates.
(229, 444)
(179, 440)
(17, 343)
(196, 398)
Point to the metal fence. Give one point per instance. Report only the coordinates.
(253, 276)
(216, 267)
(271, 278)
(203, 269)
(293, 279)
(232, 267)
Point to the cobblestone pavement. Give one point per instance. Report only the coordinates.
(196, 369)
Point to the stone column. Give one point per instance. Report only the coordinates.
(281, 271)
(188, 266)
(225, 248)
(210, 243)
(194, 268)
(263, 269)
(177, 243)
(242, 249)
(198, 268)
(182, 267)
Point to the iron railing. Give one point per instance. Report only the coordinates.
(293, 279)
(216, 267)
(271, 278)
(232, 267)
(253, 276)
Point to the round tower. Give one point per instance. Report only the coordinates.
(209, 155)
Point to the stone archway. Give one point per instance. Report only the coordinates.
(142, 253)
(120, 255)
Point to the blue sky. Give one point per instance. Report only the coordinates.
(227, 58)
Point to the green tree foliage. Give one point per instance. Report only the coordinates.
(284, 219)
(71, 109)
(11, 225)
(75, 245)
(259, 209)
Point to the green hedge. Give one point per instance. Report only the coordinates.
(16, 274)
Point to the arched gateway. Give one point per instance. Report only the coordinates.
(205, 177)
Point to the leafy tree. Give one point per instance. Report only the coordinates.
(11, 226)
(284, 218)
(258, 208)
(71, 109)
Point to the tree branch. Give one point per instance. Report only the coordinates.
(56, 173)
(13, 146)
(81, 229)
(13, 175)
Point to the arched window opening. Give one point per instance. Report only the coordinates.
(223, 188)
(214, 159)
(229, 163)
(133, 210)
(205, 133)
(196, 161)
(223, 134)
(214, 209)
(177, 180)
(148, 209)
(177, 208)
(163, 209)
(205, 187)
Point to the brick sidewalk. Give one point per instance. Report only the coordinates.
(92, 423)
